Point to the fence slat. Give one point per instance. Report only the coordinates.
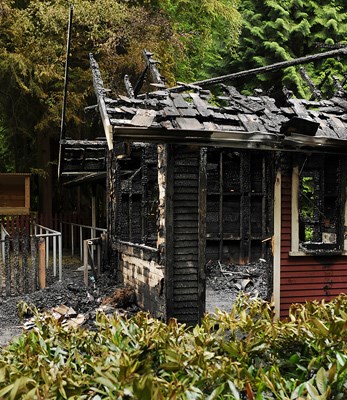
(25, 269)
(7, 266)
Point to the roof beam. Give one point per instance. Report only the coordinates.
(273, 67)
(100, 94)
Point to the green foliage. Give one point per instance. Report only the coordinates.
(229, 356)
(32, 60)
(275, 31)
(204, 33)
(6, 158)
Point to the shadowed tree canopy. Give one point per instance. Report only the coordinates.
(186, 36)
(32, 61)
(32, 57)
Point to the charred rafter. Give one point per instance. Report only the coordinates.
(100, 92)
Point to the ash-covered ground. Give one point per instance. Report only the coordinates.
(224, 282)
(71, 292)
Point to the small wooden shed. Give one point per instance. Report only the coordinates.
(194, 176)
(14, 194)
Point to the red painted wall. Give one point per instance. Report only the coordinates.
(310, 277)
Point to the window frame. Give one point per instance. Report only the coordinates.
(296, 249)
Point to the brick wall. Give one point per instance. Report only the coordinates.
(139, 268)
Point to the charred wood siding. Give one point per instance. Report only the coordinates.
(306, 278)
(133, 196)
(183, 257)
(239, 205)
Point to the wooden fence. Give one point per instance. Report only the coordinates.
(19, 264)
(23, 223)
(20, 248)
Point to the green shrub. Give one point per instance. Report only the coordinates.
(244, 354)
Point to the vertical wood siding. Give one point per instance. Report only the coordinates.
(306, 278)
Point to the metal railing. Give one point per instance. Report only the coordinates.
(47, 233)
(81, 235)
(88, 245)
(3, 234)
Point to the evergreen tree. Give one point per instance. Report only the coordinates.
(204, 33)
(279, 30)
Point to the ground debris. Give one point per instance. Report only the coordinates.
(66, 316)
(70, 293)
(122, 298)
(224, 282)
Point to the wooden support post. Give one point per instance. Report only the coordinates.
(42, 263)
(34, 256)
(25, 267)
(16, 264)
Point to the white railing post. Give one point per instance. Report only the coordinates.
(85, 261)
(60, 257)
(54, 255)
(98, 255)
(3, 243)
(81, 244)
(92, 247)
(47, 251)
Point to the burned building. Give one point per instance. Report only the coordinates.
(195, 176)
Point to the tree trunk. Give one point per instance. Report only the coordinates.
(45, 181)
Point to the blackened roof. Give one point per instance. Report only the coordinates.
(191, 114)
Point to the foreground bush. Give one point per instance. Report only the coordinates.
(245, 354)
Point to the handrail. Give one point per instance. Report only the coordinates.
(54, 234)
(3, 234)
(93, 230)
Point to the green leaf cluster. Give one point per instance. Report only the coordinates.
(204, 33)
(246, 353)
(281, 30)
(32, 59)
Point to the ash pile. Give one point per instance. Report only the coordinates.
(224, 282)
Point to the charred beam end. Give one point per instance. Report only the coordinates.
(316, 94)
(100, 94)
(300, 125)
(129, 87)
(157, 78)
(268, 68)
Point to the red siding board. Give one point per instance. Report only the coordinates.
(306, 278)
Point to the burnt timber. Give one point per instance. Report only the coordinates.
(195, 175)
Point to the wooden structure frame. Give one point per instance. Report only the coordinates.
(193, 148)
(14, 194)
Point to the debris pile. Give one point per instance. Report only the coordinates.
(65, 315)
(70, 301)
(225, 282)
